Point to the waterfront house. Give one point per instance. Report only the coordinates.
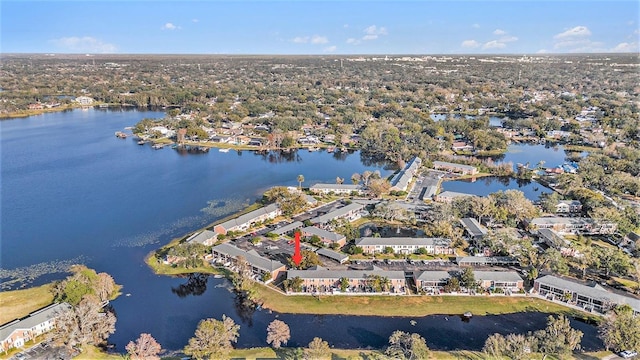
(507, 281)
(455, 168)
(16, 333)
(244, 222)
(350, 212)
(206, 237)
(401, 180)
(336, 188)
(322, 280)
(461, 146)
(553, 239)
(432, 282)
(227, 254)
(327, 237)
(473, 229)
(568, 207)
(590, 297)
(84, 100)
(333, 255)
(449, 196)
(405, 245)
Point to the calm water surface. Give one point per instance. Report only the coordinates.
(70, 188)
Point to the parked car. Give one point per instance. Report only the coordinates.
(627, 354)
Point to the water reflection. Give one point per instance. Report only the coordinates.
(196, 285)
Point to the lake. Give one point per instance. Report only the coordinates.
(72, 191)
(484, 186)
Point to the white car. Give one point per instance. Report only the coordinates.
(627, 354)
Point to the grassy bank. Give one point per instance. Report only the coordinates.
(20, 303)
(407, 305)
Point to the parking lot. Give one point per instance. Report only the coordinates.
(43, 351)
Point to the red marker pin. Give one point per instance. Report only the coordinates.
(297, 257)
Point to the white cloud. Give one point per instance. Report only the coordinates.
(300, 39)
(374, 30)
(470, 44)
(499, 32)
(86, 44)
(626, 47)
(353, 41)
(575, 32)
(331, 48)
(476, 26)
(346, 26)
(494, 44)
(370, 37)
(194, 20)
(317, 39)
(170, 26)
(542, 51)
(508, 38)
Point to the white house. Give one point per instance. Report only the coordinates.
(16, 333)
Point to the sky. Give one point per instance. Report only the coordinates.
(320, 27)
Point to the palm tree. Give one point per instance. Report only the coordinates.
(300, 181)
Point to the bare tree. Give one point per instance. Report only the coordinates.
(403, 345)
(105, 286)
(213, 338)
(317, 349)
(278, 333)
(84, 324)
(144, 348)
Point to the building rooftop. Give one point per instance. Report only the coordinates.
(321, 186)
(202, 237)
(473, 227)
(248, 217)
(323, 233)
(340, 257)
(497, 275)
(251, 256)
(403, 241)
(337, 213)
(287, 228)
(486, 260)
(323, 273)
(436, 275)
(33, 319)
(595, 292)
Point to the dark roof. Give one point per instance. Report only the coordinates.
(323, 233)
(249, 217)
(473, 227)
(251, 256)
(287, 228)
(337, 213)
(340, 257)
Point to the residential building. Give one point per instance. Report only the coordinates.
(461, 146)
(575, 225)
(405, 245)
(474, 230)
(431, 282)
(553, 239)
(206, 237)
(401, 180)
(455, 168)
(286, 229)
(350, 212)
(487, 260)
(16, 333)
(84, 100)
(568, 207)
(244, 222)
(322, 280)
(590, 297)
(508, 281)
(336, 188)
(449, 196)
(334, 255)
(327, 237)
(227, 255)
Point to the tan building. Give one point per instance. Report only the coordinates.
(16, 333)
(455, 168)
(405, 245)
(227, 255)
(322, 280)
(244, 222)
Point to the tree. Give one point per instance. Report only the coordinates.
(278, 333)
(495, 345)
(339, 180)
(621, 329)
(378, 187)
(300, 181)
(145, 348)
(344, 284)
(403, 345)
(213, 338)
(558, 338)
(84, 324)
(355, 178)
(317, 349)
